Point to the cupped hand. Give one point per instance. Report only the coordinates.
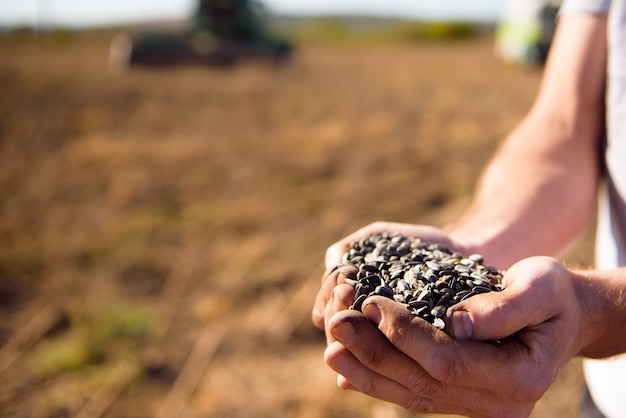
(392, 355)
(328, 301)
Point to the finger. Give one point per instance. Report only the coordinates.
(531, 296)
(496, 369)
(344, 383)
(382, 367)
(343, 295)
(336, 275)
(321, 300)
(362, 338)
(341, 299)
(356, 376)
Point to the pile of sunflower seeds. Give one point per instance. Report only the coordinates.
(428, 278)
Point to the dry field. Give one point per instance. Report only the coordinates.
(162, 231)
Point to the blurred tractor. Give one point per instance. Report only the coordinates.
(222, 33)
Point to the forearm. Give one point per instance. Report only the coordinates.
(539, 191)
(533, 198)
(603, 312)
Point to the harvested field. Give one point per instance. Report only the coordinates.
(162, 231)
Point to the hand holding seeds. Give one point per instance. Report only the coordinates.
(392, 354)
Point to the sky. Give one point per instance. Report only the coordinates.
(81, 13)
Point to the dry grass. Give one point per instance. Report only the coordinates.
(171, 224)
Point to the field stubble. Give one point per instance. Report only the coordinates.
(162, 232)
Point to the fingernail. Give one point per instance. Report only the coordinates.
(344, 332)
(462, 325)
(372, 312)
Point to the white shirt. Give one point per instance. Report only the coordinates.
(606, 379)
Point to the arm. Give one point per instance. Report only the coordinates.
(538, 193)
(601, 295)
(550, 313)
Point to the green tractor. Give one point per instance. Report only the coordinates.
(222, 32)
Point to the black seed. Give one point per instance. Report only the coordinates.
(358, 303)
(426, 277)
(384, 291)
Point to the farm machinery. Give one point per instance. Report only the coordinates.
(221, 33)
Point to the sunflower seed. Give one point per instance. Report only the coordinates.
(426, 277)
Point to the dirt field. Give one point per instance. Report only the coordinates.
(162, 232)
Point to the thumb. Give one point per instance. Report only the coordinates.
(483, 317)
(529, 299)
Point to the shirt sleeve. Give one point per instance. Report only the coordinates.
(585, 6)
